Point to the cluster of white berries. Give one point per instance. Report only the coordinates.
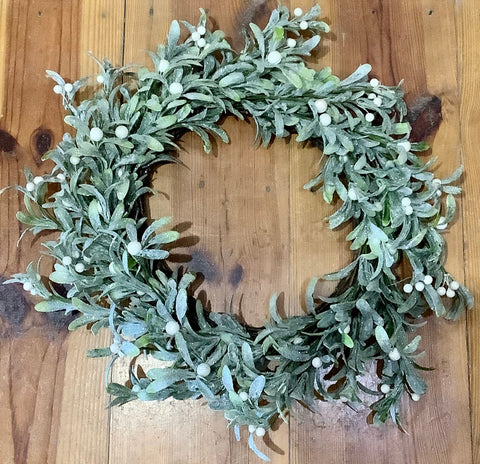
(453, 286)
(438, 184)
(259, 431)
(30, 186)
(29, 287)
(376, 99)
(67, 261)
(197, 36)
(420, 285)
(298, 12)
(321, 107)
(407, 206)
(67, 88)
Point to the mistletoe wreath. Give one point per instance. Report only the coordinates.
(110, 260)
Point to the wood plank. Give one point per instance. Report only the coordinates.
(402, 40)
(32, 36)
(84, 414)
(468, 38)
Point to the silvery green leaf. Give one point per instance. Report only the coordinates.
(342, 273)
(232, 79)
(129, 349)
(62, 275)
(309, 300)
(382, 339)
(450, 214)
(247, 356)
(359, 75)
(253, 447)
(273, 308)
(165, 377)
(256, 387)
(413, 345)
(54, 304)
(181, 304)
(157, 224)
(227, 378)
(173, 35)
(257, 32)
(165, 121)
(183, 349)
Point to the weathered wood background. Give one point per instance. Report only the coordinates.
(249, 228)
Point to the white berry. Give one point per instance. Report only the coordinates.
(394, 355)
(454, 285)
(406, 145)
(76, 254)
(37, 180)
(406, 201)
(58, 89)
(195, 36)
(27, 286)
(172, 327)
(321, 105)
(68, 87)
(450, 293)
(325, 119)
(100, 79)
(134, 248)
(441, 291)
(79, 267)
(428, 279)
(251, 428)
(415, 397)
(74, 159)
(385, 388)
(369, 117)
(66, 260)
(203, 370)
(201, 42)
(408, 210)
(243, 396)
(297, 340)
(304, 25)
(260, 431)
(438, 193)
(30, 186)
(163, 65)
(316, 362)
(372, 95)
(61, 176)
(374, 82)
(274, 57)
(175, 88)
(298, 12)
(201, 30)
(96, 134)
(408, 288)
(377, 101)
(291, 43)
(352, 194)
(420, 286)
(121, 132)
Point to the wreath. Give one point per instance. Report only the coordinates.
(110, 260)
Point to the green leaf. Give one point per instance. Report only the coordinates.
(347, 340)
(382, 339)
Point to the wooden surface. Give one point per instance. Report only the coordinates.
(248, 227)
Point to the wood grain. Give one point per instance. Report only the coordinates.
(248, 228)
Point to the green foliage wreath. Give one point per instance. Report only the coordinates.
(110, 264)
